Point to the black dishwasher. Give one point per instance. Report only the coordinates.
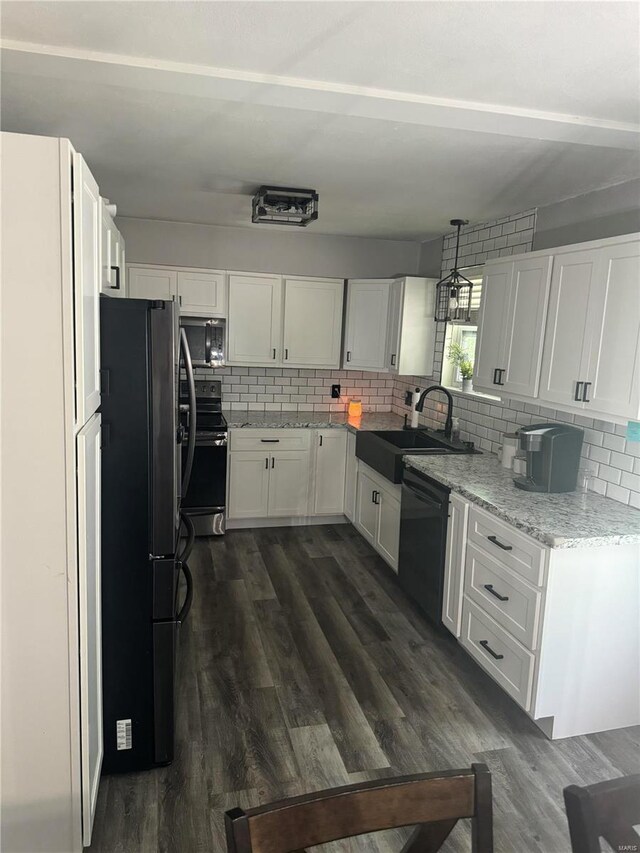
(423, 538)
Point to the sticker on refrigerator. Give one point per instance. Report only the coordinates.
(123, 734)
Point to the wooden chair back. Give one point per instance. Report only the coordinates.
(434, 802)
(606, 810)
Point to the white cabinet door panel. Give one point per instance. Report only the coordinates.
(614, 356)
(254, 327)
(312, 321)
(366, 324)
(366, 509)
(491, 322)
(388, 533)
(454, 564)
(202, 294)
(89, 610)
(152, 283)
(288, 483)
(87, 229)
(329, 488)
(249, 484)
(565, 355)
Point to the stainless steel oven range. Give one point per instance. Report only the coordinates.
(205, 499)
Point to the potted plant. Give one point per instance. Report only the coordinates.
(459, 357)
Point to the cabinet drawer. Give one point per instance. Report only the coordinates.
(514, 550)
(509, 663)
(503, 595)
(269, 439)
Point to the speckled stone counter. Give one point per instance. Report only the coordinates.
(312, 420)
(570, 520)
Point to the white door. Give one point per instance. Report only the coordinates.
(116, 261)
(87, 228)
(312, 321)
(289, 483)
(329, 488)
(524, 325)
(565, 357)
(152, 283)
(365, 345)
(202, 294)
(491, 322)
(89, 610)
(248, 484)
(351, 477)
(454, 565)
(394, 325)
(366, 507)
(388, 535)
(614, 352)
(254, 327)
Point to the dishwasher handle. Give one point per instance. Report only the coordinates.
(424, 491)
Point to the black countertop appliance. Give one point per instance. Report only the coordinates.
(553, 457)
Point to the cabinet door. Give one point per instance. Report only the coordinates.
(116, 261)
(249, 484)
(89, 610)
(312, 321)
(388, 534)
(614, 352)
(329, 481)
(152, 283)
(394, 325)
(366, 324)
(87, 228)
(454, 564)
(289, 483)
(366, 509)
(351, 478)
(491, 323)
(524, 325)
(202, 293)
(255, 305)
(105, 250)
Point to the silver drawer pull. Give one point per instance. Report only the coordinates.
(489, 588)
(497, 542)
(485, 645)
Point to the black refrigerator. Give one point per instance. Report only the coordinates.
(141, 564)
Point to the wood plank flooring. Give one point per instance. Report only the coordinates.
(303, 666)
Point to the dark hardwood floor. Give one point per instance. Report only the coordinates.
(303, 666)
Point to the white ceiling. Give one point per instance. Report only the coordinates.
(401, 114)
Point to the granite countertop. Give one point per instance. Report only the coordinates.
(312, 420)
(569, 520)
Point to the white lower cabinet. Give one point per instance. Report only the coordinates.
(351, 478)
(377, 513)
(288, 483)
(329, 471)
(248, 484)
(454, 564)
(534, 619)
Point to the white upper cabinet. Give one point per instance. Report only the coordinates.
(524, 325)
(511, 325)
(255, 319)
(365, 344)
(152, 283)
(412, 327)
(112, 280)
(614, 352)
(591, 349)
(312, 321)
(87, 231)
(202, 293)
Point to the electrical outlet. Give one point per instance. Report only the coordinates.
(408, 398)
(335, 392)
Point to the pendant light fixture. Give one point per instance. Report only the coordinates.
(453, 292)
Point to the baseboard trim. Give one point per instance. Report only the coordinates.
(295, 521)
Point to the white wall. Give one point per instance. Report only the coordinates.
(297, 252)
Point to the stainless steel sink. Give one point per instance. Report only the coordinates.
(383, 450)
